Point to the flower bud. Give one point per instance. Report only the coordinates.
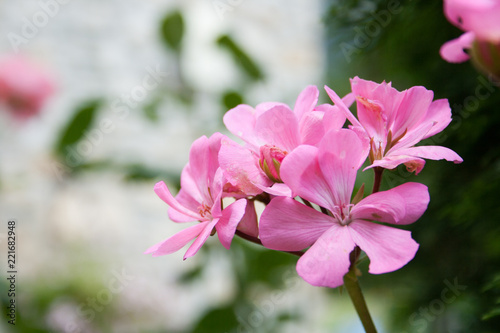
(270, 161)
(486, 57)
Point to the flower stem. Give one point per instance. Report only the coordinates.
(378, 179)
(351, 283)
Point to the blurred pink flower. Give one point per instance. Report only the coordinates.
(325, 176)
(393, 122)
(480, 19)
(271, 131)
(200, 199)
(24, 88)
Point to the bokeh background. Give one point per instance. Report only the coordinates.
(137, 82)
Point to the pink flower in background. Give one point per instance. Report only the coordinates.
(271, 131)
(393, 122)
(325, 176)
(480, 19)
(24, 88)
(200, 199)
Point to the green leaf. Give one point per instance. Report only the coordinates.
(151, 109)
(230, 99)
(242, 59)
(492, 313)
(172, 30)
(218, 320)
(77, 126)
(191, 275)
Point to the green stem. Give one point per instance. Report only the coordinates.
(351, 283)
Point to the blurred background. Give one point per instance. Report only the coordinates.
(102, 99)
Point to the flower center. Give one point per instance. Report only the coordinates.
(270, 161)
(343, 213)
(204, 210)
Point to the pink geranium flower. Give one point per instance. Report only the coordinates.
(480, 19)
(200, 199)
(24, 88)
(271, 131)
(325, 176)
(393, 122)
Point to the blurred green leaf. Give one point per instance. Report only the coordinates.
(242, 59)
(493, 313)
(172, 30)
(76, 127)
(151, 109)
(138, 172)
(230, 99)
(258, 264)
(218, 320)
(191, 275)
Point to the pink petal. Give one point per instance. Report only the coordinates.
(177, 241)
(287, 225)
(341, 105)
(162, 191)
(240, 121)
(411, 138)
(454, 50)
(391, 162)
(413, 106)
(432, 153)
(264, 106)
(333, 118)
(186, 201)
(388, 248)
(249, 222)
(278, 126)
(439, 113)
(300, 170)
(240, 166)
(189, 185)
(204, 162)
(327, 261)
(277, 189)
(416, 198)
(202, 238)
(340, 155)
(377, 104)
(311, 127)
(403, 204)
(386, 206)
(306, 101)
(231, 216)
(479, 16)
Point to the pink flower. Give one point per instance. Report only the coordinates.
(271, 131)
(24, 88)
(479, 16)
(393, 122)
(200, 199)
(480, 20)
(325, 176)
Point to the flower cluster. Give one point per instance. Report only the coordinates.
(302, 163)
(481, 40)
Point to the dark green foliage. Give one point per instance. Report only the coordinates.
(460, 232)
(230, 99)
(218, 320)
(77, 126)
(172, 30)
(242, 59)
